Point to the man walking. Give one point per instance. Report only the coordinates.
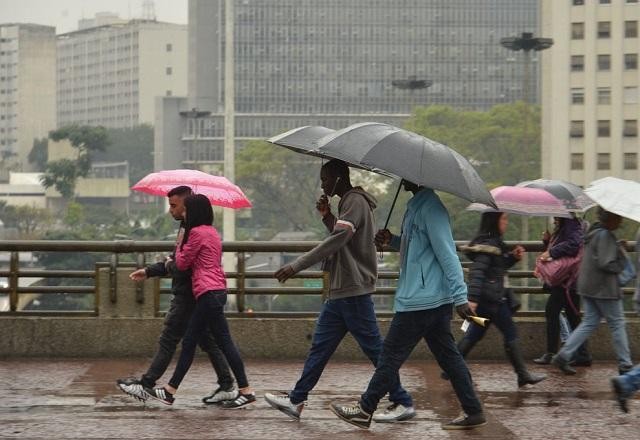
(430, 285)
(177, 320)
(351, 261)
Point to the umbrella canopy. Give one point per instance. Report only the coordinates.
(619, 196)
(524, 201)
(395, 152)
(301, 139)
(573, 197)
(219, 190)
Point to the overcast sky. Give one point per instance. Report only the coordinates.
(64, 14)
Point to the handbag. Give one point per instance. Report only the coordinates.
(629, 271)
(560, 271)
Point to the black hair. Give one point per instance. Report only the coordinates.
(199, 212)
(489, 224)
(181, 190)
(604, 216)
(337, 168)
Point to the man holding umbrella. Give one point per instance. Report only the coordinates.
(431, 283)
(350, 258)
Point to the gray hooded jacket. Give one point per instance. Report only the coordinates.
(349, 251)
(601, 263)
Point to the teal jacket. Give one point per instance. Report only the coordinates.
(430, 270)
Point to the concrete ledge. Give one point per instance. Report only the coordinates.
(259, 338)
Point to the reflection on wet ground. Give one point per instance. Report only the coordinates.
(77, 399)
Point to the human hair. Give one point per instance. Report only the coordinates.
(199, 212)
(489, 224)
(337, 168)
(181, 190)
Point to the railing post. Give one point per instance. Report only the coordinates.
(113, 278)
(140, 260)
(326, 285)
(240, 271)
(14, 266)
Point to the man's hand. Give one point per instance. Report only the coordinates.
(323, 206)
(518, 252)
(383, 238)
(284, 273)
(138, 275)
(467, 309)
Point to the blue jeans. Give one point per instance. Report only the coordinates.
(594, 310)
(407, 329)
(357, 316)
(501, 316)
(209, 314)
(631, 380)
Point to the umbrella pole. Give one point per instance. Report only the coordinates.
(393, 204)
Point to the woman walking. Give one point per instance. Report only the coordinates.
(201, 251)
(487, 294)
(565, 242)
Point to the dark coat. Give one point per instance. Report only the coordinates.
(491, 259)
(567, 240)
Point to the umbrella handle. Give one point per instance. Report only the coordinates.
(393, 204)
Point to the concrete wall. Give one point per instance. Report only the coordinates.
(127, 328)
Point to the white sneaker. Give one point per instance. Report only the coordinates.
(284, 404)
(394, 413)
(219, 396)
(133, 388)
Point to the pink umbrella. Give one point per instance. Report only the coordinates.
(219, 190)
(524, 201)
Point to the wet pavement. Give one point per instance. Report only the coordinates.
(77, 399)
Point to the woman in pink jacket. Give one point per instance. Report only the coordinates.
(201, 251)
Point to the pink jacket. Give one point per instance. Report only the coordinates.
(203, 255)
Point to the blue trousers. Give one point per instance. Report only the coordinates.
(357, 316)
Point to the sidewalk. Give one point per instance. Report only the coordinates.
(77, 399)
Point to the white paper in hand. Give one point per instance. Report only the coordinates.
(465, 325)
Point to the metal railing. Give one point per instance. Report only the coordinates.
(139, 249)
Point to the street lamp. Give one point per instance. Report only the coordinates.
(412, 83)
(526, 42)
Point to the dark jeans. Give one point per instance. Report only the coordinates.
(208, 316)
(406, 330)
(175, 326)
(357, 316)
(500, 315)
(555, 303)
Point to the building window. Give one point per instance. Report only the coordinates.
(577, 63)
(577, 161)
(630, 29)
(632, 1)
(577, 31)
(604, 95)
(604, 29)
(604, 128)
(604, 161)
(169, 47)
(604, 62)
(630, 61)
(169, 93)
(630, 128)
(630, 95)
(605, 2)
(578, 2)
(576, 129)
(169, 70)
(577, 95)
(630, 161)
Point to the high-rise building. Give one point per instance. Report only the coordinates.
(110, 75)
(27, 90)
(590, 80)
(334, 63)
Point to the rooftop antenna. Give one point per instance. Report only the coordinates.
(149, 10)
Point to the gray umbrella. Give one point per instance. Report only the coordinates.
(393, 151)
(301, 139)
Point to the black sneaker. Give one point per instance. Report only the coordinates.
(466, 422)
(132, 387)
(621, 394)
(161, 394)
(563, 365)
(353, 414)
(219, 396)
(239, 402)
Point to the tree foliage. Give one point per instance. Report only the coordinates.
(39, 154)
(31, 222)
(63, 174)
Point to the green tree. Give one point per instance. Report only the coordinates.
(31, 222)
(39, 154)
(134, 145)
(63, 174)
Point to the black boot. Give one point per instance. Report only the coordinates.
(464, 347)
(515, 357)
